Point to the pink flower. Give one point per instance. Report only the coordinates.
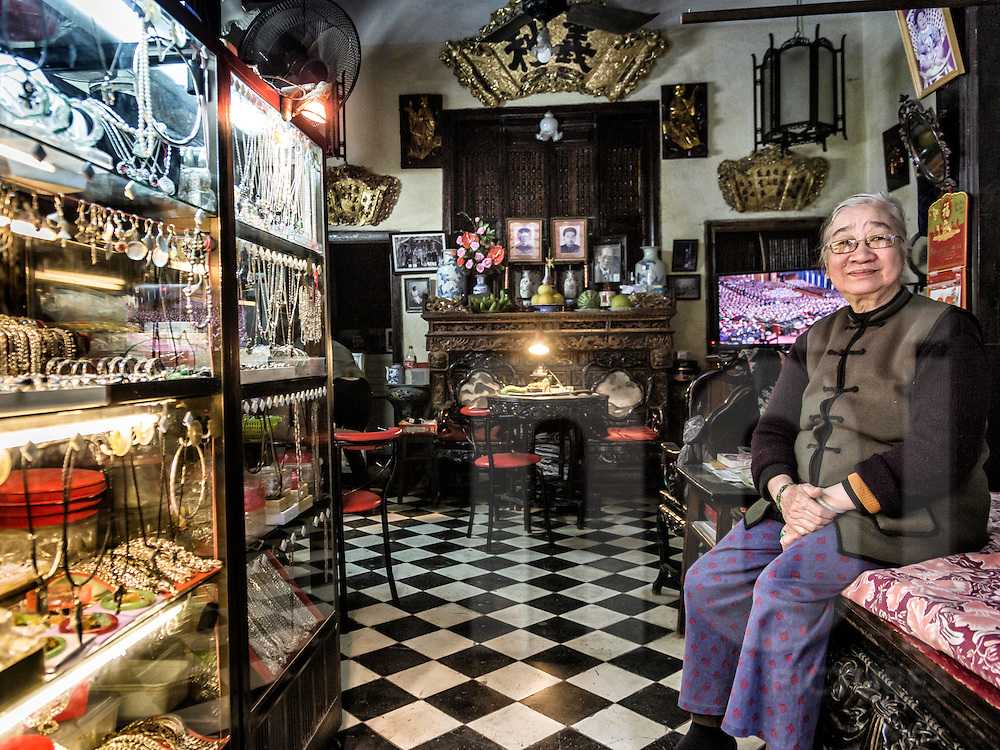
(480, 268)
(482, 230)
(469, 264)
(487, 263)
(479, 257)
(474, 244)
(458, 240)
(461, 252)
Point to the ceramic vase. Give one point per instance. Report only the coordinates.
(570, 286)
(450, 280)
(481, 287)
(650, 272)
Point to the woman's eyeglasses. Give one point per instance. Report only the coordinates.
(873, 241)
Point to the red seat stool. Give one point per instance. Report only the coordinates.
(367, 497)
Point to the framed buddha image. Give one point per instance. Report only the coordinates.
(524, 240)
(569, 240)
(421, 144)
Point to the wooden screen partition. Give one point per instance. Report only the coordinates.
(606, 168)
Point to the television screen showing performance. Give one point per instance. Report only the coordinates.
(772, 309)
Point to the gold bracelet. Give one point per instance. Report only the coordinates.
(781, 491)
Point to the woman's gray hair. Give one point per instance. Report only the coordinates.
(897, 220)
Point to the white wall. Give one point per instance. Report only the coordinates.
(719, 54)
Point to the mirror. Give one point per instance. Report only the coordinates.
(922, 138)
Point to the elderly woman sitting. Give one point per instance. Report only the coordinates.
(869, 455)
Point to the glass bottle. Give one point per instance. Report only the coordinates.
(410, 360)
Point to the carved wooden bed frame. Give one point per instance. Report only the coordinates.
(884, 692)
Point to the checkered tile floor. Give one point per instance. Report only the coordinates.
(534, 646)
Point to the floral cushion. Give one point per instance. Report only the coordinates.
(950, 603)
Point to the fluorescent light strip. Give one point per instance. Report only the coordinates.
(91, 280)
(65, 431)
(66, 681)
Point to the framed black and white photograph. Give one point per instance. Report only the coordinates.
(524, 240)
(416, 292)
(569, 240)
(685, 287)
(417, 252)
(609, 260)
(685, 257)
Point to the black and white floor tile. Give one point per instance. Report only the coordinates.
(537, 645)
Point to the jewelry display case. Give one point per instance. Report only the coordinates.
(114, 588)
(286, 392)
(160, 587)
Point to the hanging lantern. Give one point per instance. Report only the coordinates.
(799, 92)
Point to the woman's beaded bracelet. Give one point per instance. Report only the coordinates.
(781, 491)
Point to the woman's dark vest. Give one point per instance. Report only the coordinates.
(856, 404)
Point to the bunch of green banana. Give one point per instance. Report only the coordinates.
(489, 303)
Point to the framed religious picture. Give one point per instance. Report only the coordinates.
(684, 120)
(416, 292)
(686, 286)
(897, 162)
(931, 48)
(417, 252)
(569, 240)
(420, 131)
(524, 240)
(608, 263)
(685, 257)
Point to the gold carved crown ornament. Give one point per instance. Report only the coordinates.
(587, 61)
(772, 179)
(358, 197)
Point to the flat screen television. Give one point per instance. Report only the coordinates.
(771, 309)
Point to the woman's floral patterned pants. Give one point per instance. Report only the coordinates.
(758, 622)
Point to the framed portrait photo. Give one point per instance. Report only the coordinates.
(686, 286)
(609, 263)
(524, 240)
(569, 240)
(416, 292)
(931, 48)
(685, 257)
(417, 252)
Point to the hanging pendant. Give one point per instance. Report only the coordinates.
(167, 185)
(161, 253)
(140, 149)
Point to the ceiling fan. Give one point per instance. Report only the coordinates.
(589, 15)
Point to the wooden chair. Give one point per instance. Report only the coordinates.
(471, 380)
(632, 445)
(367, 496)
(509, 467)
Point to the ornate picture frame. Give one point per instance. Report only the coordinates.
(417, 252)
(569, 239)
(420, 141)
(684, 120)
(931, 46)
(525, 240)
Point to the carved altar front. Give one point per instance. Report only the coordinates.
(641, 339)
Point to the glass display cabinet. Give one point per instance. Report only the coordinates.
(286, 389)
(162, 285)
(114, 605)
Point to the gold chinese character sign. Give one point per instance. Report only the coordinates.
(588, 61)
